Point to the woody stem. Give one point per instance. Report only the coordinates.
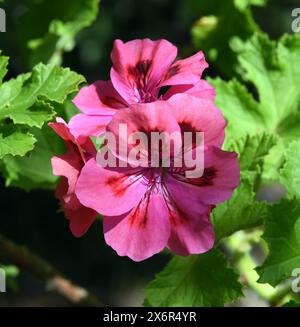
(24, 259)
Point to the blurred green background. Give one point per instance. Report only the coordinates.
(32, 218)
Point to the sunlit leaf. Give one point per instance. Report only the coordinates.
(197, 280)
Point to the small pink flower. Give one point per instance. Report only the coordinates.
(69, 167)
(146, 209)
(140, 69)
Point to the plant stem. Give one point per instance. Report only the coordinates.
(23, 258)
(245, 265)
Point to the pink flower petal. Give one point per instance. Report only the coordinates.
(61, 128)
(100, 98)
(191, 229)
(62, 189)
(199, 115)
(186, 71)
(81, 219)
(183, 197)
(139, 65)
(142, 232)
(88, 125)
(221, 176)
(109, 192)
(201, 89)
(68, 165)
(191, 232)
(146, 118)
(81, 142)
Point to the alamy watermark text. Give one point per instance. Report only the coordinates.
(2, 20)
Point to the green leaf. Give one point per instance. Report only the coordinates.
(28, 101)
(67, 109)
(3, 65)
(23, 99)
(15, 142)
(288, 128)
(49, 28)
(203, 280)
(53, 83)
(26, 104)
(35, 114)
(282, 234)
(214, 31)
(290, 173)
(292, 304)
(252, 150)
(242, 211)
(271, 68)
(239, 108)
(34, 170)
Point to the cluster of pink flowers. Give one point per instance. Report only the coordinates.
(145, 209)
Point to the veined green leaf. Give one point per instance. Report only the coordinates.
(28, 101)
(290, 173)
(34, 170)
(197, 280)
(272, 69)
(15, 142)
(282, 234)
(242, 211)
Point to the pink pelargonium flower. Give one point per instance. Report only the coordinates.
(146, 209)
(69, 167)
(140, 69)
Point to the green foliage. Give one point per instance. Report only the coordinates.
(282, 234)
(27, 101)
(282, 225)
(49, 28)
(45, 82)
(3, 67)
(292, 304)
(203, 280)
(271, 68)
(26, 104)
(239, 108)
(242, 211)
(34, 170)
(14, 141)
(214, 31)
(227, 216)
(252, 150)
(290, 173)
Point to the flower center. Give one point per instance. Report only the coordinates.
(139, 76)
